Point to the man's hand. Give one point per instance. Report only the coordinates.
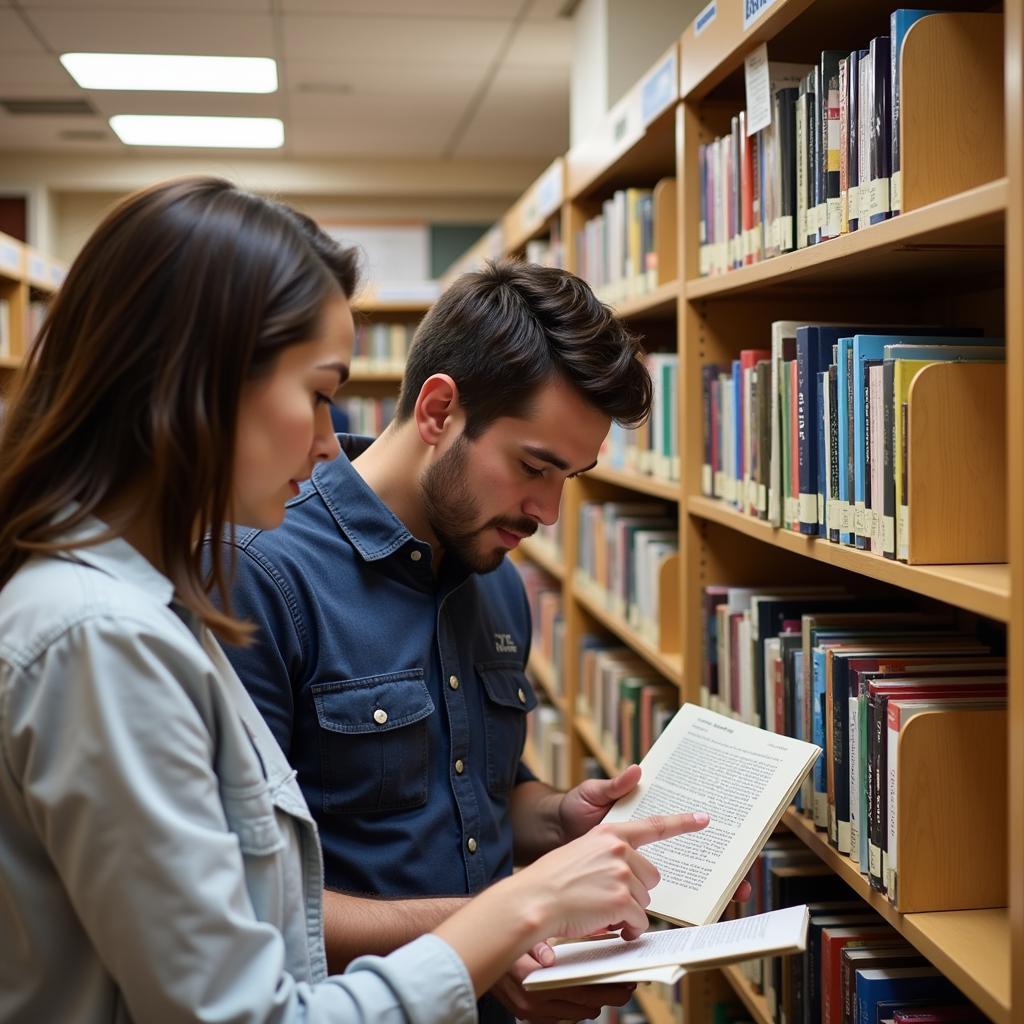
(586, 806)
(547, 1007)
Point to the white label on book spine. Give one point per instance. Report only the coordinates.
(835, 218)
(844, 837)
(861, 520)
(878, 197)
(902, 535)
(832, 824)
(896, 191)
(808, 508)
(853, 201)
(845, 517)
(834, 518)
(888, 534)
(786, 233)
(875, 860)
(801, 225)
(821, 508)
(762, 498)
(821, 809)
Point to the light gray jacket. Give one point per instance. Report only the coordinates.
(157, 860)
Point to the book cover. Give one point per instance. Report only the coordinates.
(879, 204)
(828, 145)
(890, 984)
(784, 118)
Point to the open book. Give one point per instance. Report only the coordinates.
(744, 777)
(665, 956)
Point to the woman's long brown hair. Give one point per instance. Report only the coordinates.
(186, 291)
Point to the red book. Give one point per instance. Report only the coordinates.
(833, 941)
(746, 190)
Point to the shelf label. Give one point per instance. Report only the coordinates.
(37, 268)
(659, 90)
(753, 9)
(10, 257)
(705, 18)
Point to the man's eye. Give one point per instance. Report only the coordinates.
(531, 470)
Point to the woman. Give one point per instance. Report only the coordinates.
(157, 861)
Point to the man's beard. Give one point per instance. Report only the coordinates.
(451, 510)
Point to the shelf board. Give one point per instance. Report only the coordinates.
(542, 672)
(669, 665)
(11, 362)
(971, 947)
(541, 553)
(661, 303)
(753, 1001)
(655, 1006)
(375, 377)
(585, 731)
(983, 589)
(931, 241)
(655, 486)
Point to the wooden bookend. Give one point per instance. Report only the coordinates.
(952, 827)
(669, 606)
(665, 239)
(951, 106)
(957, 464)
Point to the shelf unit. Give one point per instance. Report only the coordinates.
(944, 260)
(26, 275)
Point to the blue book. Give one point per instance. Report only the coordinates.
(819, 425)
(845, 389)
(817, 697)
(899, 985)
(899, 25)
(870, 347)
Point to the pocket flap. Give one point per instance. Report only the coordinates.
(506, 684)
(373, 703)
(251, 816)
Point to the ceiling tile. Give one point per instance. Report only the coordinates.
(152, 6)
(417, 40)
(367, 138)
(380, 78)
(15, 36)
(22, 75)
(110, 102)
(500, 9)
(155, 32)
(43, 134)
(545, 10)
(541, 44)
(414, 107)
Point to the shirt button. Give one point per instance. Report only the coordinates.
(453, 682)
(522, 696)
(415, 555)
(380, 716)
(459, 767)
(471, 844)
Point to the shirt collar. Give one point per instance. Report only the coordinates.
(374, 530)
(115, 557)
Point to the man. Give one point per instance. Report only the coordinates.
(393, 634)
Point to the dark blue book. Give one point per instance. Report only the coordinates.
(881, 155)
(899, 985)
(708, 378)
(852, 135)
(820, 429)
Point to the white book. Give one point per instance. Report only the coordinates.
(669, 954)
(742, 776)
(782, 331)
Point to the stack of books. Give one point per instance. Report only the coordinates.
(368, 416)
(381, 347)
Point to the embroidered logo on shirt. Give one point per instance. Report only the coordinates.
(504, 644)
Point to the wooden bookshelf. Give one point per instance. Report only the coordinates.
(585, 731)
(947, 261)
(542, 553)
(755, 1003)
(983, 589)
(642, 483)
(542, 672)
(654, 1005)
(970, 946)
(658, 304)
(669, 665)
(26, 276)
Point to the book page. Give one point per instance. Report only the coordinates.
(781, 931)
(742, 776)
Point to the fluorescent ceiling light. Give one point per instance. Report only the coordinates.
(168, 73)
(217, 132)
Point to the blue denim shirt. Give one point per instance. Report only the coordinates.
(399, 697)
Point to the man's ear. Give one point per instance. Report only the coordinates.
(437, 412)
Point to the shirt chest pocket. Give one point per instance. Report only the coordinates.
(374, 742)
(509, 698)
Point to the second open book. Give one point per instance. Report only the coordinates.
(744, 778)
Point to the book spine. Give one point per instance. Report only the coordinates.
(880, 130)
(820, 420)
(850, 449)
(889, 461)
(834, 513)
(807, 521)
(844, 147)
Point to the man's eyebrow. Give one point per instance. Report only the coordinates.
(340, 368)
(555, 460)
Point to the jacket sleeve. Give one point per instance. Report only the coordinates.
(107, 738)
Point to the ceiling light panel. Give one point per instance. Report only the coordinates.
(206, 132)
(157, 72)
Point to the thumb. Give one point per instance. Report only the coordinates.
(543, 954)
(623, 783)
